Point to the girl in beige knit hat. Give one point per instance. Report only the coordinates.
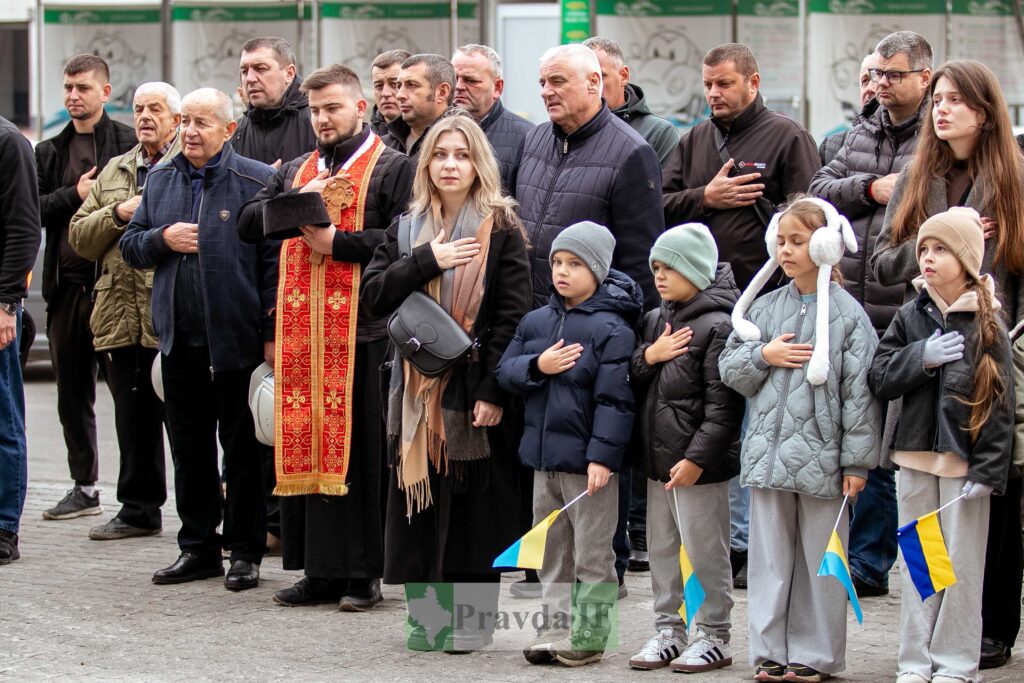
(947, 355)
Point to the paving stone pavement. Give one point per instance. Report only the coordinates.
(74, 609)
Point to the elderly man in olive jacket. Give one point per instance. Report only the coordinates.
(121, 322)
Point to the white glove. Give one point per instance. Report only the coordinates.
(974, 489)
(940, 349)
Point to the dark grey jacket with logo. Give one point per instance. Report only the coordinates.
(872, 149)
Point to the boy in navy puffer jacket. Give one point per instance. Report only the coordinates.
(570, 361)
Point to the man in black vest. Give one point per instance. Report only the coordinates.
(478, 87)
(67, 167)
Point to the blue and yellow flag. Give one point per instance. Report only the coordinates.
(834, 564)
(925, 554)
(693, 592)
(528, 551)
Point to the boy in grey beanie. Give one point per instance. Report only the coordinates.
(689, 427)
(569, 361)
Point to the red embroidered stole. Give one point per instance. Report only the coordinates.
(317, 304)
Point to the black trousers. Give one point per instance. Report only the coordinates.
(200, 404)
(1000, 598)
(139, 421)
(75, 364)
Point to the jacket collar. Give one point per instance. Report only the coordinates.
(880, 120)
(967, 302)
(99, 132)
(293, 101)
(211, 172)
(635, 104)
(130, 159)
(340, 152)
(594, 125)
(493, 115)
(746, 118)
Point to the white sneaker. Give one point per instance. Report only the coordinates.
(911, 677)
(704, 653)
(659, 651)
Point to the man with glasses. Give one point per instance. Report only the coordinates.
(859, 182)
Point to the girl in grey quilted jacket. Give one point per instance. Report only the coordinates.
(813, 434)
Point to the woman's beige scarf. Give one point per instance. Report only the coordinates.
(459, 291)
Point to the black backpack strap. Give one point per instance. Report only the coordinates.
(404, 235)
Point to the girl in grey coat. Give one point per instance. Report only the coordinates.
(802, 360)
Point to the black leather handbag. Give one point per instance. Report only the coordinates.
(423, 332)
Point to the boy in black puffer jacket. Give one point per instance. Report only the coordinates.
(689, 428)
(570, 360)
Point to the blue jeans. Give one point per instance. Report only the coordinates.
(13, 451)
(872, 545)
(739, 515)
(739, 500)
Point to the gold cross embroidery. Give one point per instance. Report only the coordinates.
(296, 298)
(296, 399)
(336, 300)
(333, 400)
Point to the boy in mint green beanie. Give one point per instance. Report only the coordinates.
(689, 425)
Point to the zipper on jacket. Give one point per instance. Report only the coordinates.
(773, 453)
(544, 426)
(202, 280)
(551, 190)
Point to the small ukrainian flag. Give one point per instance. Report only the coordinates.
(834, 564)
(693, 592)
(925, 554)
(528, 551)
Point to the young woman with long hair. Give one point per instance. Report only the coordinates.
(453, 499)
(967, 156)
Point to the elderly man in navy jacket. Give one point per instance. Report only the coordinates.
(213, 300)
(587, 164)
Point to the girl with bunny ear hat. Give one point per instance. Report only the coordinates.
(808, 444)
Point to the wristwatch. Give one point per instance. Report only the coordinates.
(9, 308)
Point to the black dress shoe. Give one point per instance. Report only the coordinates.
(866, 590)
(242, 575)
(311, 591)
(189, 567)
(361, 595)
(994, 653)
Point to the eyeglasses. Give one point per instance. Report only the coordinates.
(895, 77)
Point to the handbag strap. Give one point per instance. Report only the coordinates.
(404, 235)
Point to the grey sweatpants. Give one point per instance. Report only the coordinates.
(796, 616)
(942, 635)
(579, 543)
(702, 524)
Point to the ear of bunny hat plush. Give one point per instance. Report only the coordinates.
(828, 243)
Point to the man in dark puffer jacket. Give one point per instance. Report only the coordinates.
(478, 86)
(275, 127)
(585, 164)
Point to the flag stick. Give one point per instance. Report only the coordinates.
(949, 503)
(573, 501)
(679, 516)
(842, 507)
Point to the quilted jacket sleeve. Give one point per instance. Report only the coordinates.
(860, 413)
(613, 399)
(514, 369)
(846, 191)
(741, 364)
